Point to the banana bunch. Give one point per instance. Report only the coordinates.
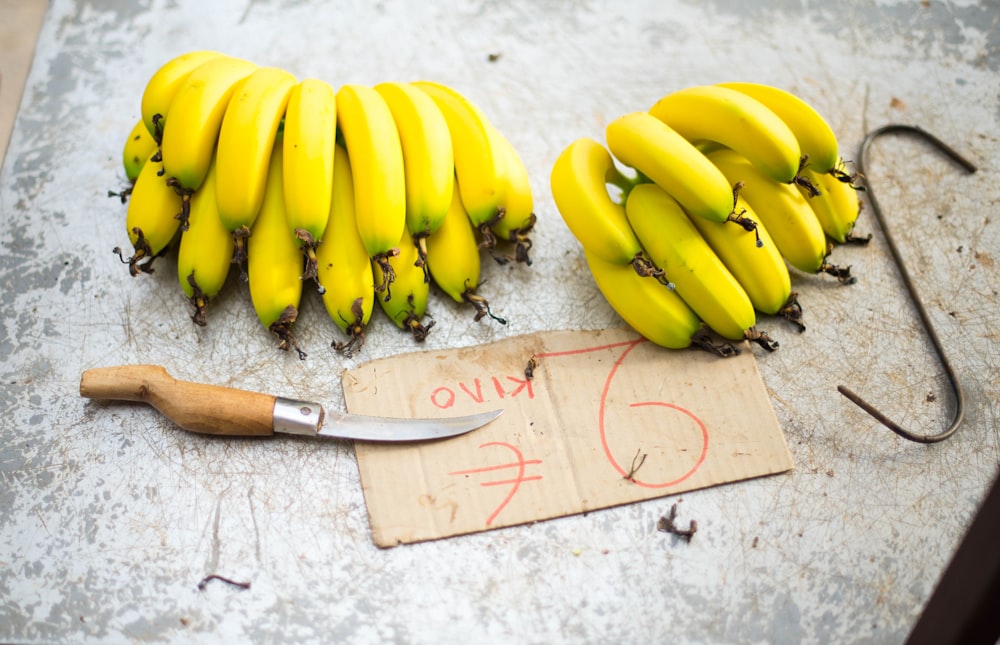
(376, 193)
(693, 214)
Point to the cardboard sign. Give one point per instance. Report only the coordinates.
(592, 419)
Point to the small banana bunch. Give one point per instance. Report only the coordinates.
(375, 193)
(731, 185)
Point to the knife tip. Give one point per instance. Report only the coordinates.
(492, 414)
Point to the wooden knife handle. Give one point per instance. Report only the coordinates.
(206, 409)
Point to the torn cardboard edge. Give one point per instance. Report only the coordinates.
(592, 419)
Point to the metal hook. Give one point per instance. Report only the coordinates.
(908, 282)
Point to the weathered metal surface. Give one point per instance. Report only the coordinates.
(110, 517)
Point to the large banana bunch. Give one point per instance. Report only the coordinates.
(232, 163)
(703, 158)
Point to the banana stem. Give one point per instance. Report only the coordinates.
(740, 218)
(754, 335)
(355, 330)
(123, 195)
(200, 302)
(645, 267)
(158, 129)
(792, 311)
(481, 305)
(416, 327)
(141, 251)
(420, 240)
(185, 195)
(701, 340)
(858, 240)
(799, 180)
(843, 274)
(615, 177)
(519, 237)
(388, 273)
(239, 258)
(489, 239)
(282, 328)
(310, 270)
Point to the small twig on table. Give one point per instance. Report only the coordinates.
(637, 463)
(204, 582)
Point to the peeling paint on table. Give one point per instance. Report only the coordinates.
(110, 516)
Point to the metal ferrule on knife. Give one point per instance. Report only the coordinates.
(297, 417)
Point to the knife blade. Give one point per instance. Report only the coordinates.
(218, 410)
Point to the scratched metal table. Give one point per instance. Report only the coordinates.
(109, 516)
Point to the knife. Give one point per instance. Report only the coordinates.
(217, 410)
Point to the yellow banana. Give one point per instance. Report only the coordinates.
(651, 308)
(454, 260)
(756, 264)
(152, 218)
(274, 262)
(310, 135)
(836, 205)
(817, 141)
(736, 120)
(785, 213)
(205, 252)
(137, 149)
(653, 148)
(192, 129)
(162, 86)
(343, 262)
(246, 138)
(579, 183)
(405, 303)
(519, 204)
(478, 165)
(428, 159)
(690, 265)
(376, 153)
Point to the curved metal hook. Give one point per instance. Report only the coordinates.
(908, 282)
